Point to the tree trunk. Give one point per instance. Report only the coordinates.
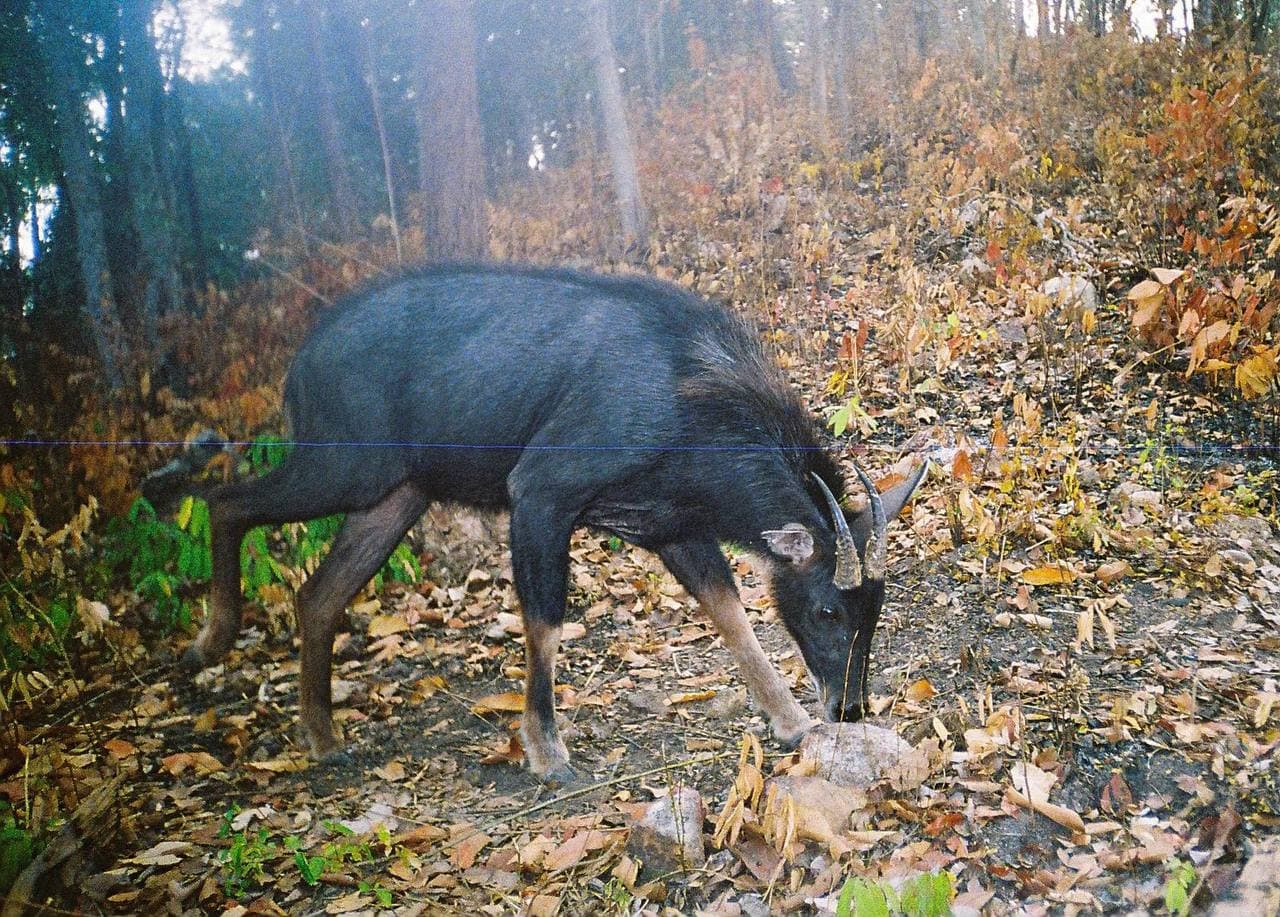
(375, 102)
(66, 59)
(650, 31)
(819, 82)
(841, 54)
(186, 189)
(451, 149)
(345, 214)
(263, 69)
(773, 46)
(617, 134)
(920, 21)
(13, 204)
(36, 246)
(149, 172)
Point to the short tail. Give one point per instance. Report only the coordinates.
(165, 487)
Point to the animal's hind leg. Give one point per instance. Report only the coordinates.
(297, 490)
(363, 544)
(540, 560)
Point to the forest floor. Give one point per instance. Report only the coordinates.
(1139, 673)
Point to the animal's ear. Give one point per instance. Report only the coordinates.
(792, 542)
(892, 499)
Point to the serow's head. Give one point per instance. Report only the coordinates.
(829, 588)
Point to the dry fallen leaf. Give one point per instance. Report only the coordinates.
(506, 702)
(392, 771)
(463, 855)
(165, 853)
(1048, 575)
(201, 761)
(284, 765)
(386, 625)
(1030, 789)
(119, 748)
(690, 697)
(920, 690)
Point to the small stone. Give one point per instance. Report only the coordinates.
(1012, 331)
(822, 807)
(669, 836)
(1072, 294)
(342, 690)
(852, 754)
(1241, 560)
(975, 271)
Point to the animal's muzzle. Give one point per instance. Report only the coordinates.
(850, 713)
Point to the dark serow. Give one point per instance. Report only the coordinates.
(619, 403)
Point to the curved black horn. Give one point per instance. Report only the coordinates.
(848, 573)
(878, 543)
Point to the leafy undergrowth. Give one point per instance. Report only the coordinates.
(1080, 636)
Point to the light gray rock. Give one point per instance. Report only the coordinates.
(853, 754)
(669, 836)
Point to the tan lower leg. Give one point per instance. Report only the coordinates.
(788, 719)
(543, 747)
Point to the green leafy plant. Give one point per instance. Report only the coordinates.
(380, 892)
(618, 896)
(1177, 888)
(17, 848)
(311, 867)
(925, 895)
(160, 557)
(244, 861)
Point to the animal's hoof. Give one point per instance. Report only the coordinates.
(560, 775)
(790, 739)
(192, 660)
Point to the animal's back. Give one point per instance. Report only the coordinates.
(463, 366)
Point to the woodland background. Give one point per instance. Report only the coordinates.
(1037, 240)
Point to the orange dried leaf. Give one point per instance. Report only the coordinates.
(1146, 289)
(386, 625)
(506, 702)
(1048, 576)
(119, 748)
(920, 690)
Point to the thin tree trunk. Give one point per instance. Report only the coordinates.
(66, 59)
(263, 56)
(819, 83)
(148, 167)
(650, 27)
(36, 242)
(375, 102)
(187, 189)
(773, 46)
(617, 134)
(335, 156)
(841, 54)
(451, 149)
(186, 195)
(13, 214)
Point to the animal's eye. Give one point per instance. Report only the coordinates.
(828, 613)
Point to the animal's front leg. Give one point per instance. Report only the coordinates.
(703, 571)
